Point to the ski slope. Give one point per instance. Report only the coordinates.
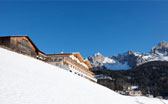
(24, 80)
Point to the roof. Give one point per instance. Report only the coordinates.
(27, 38)
(88, 63)
(76, 54)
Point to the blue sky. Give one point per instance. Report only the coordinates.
(107, 27)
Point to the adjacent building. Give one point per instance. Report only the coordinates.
(130, 91)
(72, 62)
(133, 93)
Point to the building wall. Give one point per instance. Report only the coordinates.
(133, 93)
(68, 63)
(23, 45)
(41, 56)
(5, 41)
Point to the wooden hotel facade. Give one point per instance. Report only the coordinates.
(72, 62)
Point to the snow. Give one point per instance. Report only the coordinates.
(137, 54)
(115, 65)
(161, 57)
(155, 57)
(133, 87)
(77, 60)
(147, 57)
(108, 60)
(97, 53)
(25, 80)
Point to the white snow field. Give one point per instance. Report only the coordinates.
(25, 80)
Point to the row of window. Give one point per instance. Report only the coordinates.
(55, 59)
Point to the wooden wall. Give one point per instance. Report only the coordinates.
(23, 45)
(5, 41)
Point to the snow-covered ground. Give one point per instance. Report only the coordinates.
(24, 80)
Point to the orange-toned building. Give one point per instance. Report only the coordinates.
(73, 62)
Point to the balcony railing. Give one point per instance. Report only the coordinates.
(80, 67)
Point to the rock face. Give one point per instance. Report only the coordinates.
(161, 48)
(130, 59)
(96, 60)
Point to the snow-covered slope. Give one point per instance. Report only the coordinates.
(130, 59)
(24, 80)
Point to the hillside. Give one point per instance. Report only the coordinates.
(24, 80)
(150, 77)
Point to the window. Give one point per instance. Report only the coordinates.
(58, 58)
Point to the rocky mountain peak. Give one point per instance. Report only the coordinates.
(97, 54)
(163, 44)
(161, 48)
(96, 60)
(129, 52)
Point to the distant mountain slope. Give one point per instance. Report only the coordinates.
(25, 80)
(151, 77)
(130, 59)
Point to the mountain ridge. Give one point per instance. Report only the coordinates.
(129, 59)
